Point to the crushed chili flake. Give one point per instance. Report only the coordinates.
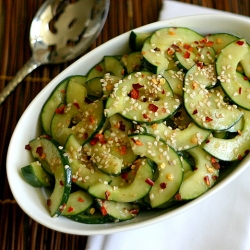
(48, 202)
(200, 65)
(240, 90)
(137, 142)
(104, 211)
(240, 43)
(149, 182)
(39, 151)
(195, 112)
(214, 177)
(80, 199)
(134, 93)
(216, 165)
(76, 104)
(178, 197)
(91, 119)
(245, 78)
(73, 179)
(246, 151)
(99, 68)
(207, 180)
(152, 107)
(107, 194)
(121, 126)
(176, 48)
(27, 147)
(208, 119)
(63, 91)
(124, 176)
(137, 86)
(163, 185)
(61, 183)
(240, 157)
(123, 150)
(60, 110)
(94, 141)
(70, 209)
(187, 55)
(134, 211)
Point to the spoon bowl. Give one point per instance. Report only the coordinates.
(61, 31)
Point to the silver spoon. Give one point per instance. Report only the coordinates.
(60, 31)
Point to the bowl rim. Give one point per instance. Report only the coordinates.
(73, 68)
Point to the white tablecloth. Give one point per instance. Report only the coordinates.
(222, 222)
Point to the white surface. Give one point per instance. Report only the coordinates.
(209, 222)
(221, 222)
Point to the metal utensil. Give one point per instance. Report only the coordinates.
(60, 31)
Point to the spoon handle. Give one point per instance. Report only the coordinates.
(21, 74)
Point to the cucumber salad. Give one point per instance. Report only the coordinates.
(145, 130)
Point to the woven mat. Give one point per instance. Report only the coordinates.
(18, 231)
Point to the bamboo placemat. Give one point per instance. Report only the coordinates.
(17, 230)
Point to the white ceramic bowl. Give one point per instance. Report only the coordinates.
(33, 200)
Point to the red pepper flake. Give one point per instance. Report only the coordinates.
(240, 43)
(123, 150)
(104, 211)
(214, 177)
(137, 86)
(101, 138)
(60, 110)
(73, 179)
(178, 197)
(107, 194)
(80, 199)
(195, 112)
(176, 48)
(124, 176)
(195, 168)
(186, 55)
(240, 90)
(188, 47)
(149, 182)
(134, 211)
(76, 104)
(207, 180)
(137, 142)
(121, 126)
(246, 151)
(245, 78)
(200, 65)
(63, 91)
(27, 147)
(145, 116)
(99, 68)
(94, 141)
(152, 107)
(91, 119)
(163, 185)
(61, 183)
(208, 119)
(39, 151)
(240, 157)
(134, 93)
(70, 209)
(216, 165)
(48, 202)
(207, 141)
(85, 135)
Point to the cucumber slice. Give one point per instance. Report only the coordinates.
(133, 62)
(95, 218)
(78, 202)
(169, 167)
(49, 153)
(132, 192)
(36, 176)
(120, 211)
(175, 79)
(206, 107)
(235, 85)
(142, 97)
(180, 139)
(76, 93)
(136, 40)
(163, 44)
(231, 149)
(220, 40)
(56, 98)
(202, 178)
(114, 66)
(98, 70)
(84, 124)
(84, 172)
